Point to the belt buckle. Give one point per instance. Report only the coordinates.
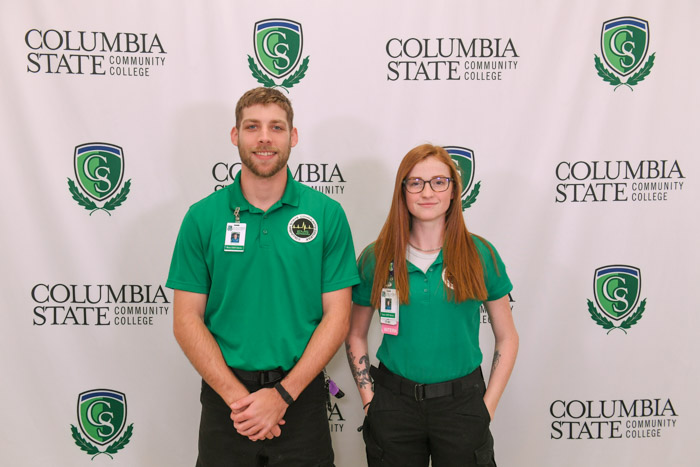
(419, 392)
(269, 376)
(266, 377)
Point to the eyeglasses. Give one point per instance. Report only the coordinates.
(416, 185)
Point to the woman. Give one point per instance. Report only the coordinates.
(428, 276)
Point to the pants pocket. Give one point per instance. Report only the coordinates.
(374, 452)
(486, 412)
(484, 454)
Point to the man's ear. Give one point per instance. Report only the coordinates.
(234, 136)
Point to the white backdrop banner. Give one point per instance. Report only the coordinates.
(575, 126)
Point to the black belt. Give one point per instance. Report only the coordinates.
(400, 385)
(261, 377)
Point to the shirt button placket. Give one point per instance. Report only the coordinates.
(264, 232)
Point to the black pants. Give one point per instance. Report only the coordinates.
(305, 439)
(451, 429)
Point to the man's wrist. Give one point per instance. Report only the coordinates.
(286, 397)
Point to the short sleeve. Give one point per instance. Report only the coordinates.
(362, 292)
(188, 268)
(497, 281)
(339, 268)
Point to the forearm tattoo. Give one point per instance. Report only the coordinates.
(361, 371)
(496, 359)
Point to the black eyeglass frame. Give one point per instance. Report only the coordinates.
(447, 187)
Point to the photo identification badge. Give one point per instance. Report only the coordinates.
(389, 312)
(235, 237)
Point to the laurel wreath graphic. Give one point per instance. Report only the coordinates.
(469, 200)
(268, 82)
(88, 204)
(614, 80)
(261, 77)
(93, 451)
(609, 325)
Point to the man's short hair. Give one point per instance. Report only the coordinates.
(264, 96)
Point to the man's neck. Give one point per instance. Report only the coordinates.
(263, 192)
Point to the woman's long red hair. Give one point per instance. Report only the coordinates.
(461, 260)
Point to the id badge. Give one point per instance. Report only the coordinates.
(389, 312)
(235, 237)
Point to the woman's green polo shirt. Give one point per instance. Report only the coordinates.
(438, 339)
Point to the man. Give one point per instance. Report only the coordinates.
(260, 318)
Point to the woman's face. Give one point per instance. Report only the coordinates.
(429, 205)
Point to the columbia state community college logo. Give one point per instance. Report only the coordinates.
(464, 160)
(451, 58)
(101, 418)
(624, 43)
(65, 52)
(99, 171)
(617, 289)
(278, 46)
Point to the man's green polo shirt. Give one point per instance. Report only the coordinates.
(438, 339)
(265, 302)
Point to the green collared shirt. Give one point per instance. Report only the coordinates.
(265, 302)
(438, 339)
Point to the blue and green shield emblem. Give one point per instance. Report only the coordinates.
(101, 418)
(465, 162)
(617, 290)
(101, 415)
(278, 45)
(624, 43)
(99, 168)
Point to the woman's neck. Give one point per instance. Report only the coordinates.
(427, 236)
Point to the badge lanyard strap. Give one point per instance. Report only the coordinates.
(390, 281)
(236, 213)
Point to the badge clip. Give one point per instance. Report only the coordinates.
(235, 234)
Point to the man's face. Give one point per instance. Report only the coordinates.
(264, 139)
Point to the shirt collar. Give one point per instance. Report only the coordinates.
(290, 195)
(412, 267)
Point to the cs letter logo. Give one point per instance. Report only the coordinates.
(99, 169)
(616, 289)
(464, 160)
(624, 43)
(101, 417)
(278, 44)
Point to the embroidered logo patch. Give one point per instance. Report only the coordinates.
(302, 228)
(446, 280)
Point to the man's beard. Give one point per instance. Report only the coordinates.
(260, 169)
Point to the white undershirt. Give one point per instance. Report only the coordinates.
(420, 259)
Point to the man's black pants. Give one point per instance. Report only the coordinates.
(305, 439)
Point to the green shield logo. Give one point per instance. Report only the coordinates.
(464, 160)
(617, 289)
(99, 168)
(101, 414)
(624, 43)
(278, 45)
